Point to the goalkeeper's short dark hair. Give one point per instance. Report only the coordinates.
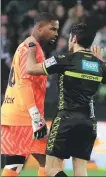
(85, 34)
(45, 17)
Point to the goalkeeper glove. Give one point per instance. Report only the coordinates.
(38, 124)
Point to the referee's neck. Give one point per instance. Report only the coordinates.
(78, 48)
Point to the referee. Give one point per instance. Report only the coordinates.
(73, 131)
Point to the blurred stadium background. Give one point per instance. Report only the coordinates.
(17, 20)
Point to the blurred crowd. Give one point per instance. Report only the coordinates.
(17, 21)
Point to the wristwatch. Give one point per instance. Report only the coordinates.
(32, 44)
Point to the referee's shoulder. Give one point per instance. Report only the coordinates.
(68, 54)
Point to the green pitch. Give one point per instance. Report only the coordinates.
(69, 173)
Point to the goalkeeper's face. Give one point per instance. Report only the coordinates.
(49, 31)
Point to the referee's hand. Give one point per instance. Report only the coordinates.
(97, 51)
(30, 39)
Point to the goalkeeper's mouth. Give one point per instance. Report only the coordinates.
(53, 40)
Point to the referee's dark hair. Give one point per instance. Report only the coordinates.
(85, 35)
(45, 17)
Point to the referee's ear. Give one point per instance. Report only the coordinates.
(74, 40)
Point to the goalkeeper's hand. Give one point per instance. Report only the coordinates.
(38, 124)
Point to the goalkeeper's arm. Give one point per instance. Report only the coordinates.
(27, 95)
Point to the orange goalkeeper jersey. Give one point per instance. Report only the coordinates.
(23, 91)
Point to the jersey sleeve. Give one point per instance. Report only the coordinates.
(57, 64)
(104, 73)
(23, 57)
(25, 84)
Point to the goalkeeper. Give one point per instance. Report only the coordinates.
(22, 112)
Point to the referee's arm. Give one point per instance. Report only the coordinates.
(55, 64)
